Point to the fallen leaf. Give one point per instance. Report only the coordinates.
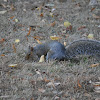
(36, 37)
(2, 40)
(2, 55)
(67, 24)
(14, 48)
(53, 24)
(50, 84)
(46, 80)
(69, 28)
(81, 27)
(41, 15)
(12, 65)
(17, 40)
(96, 16)
(40, 78)
(24, 10)
(92, 9)
(96, 87)
(41, 90)
(38, 41)
(41, 58)
(3, 5)
(65, 43)
(53, 9)
(51, 14)
(38, 71)
(13, 20)
(29, 31)
(94, 65)
(12, 17)
(90, 36)
(79, 85)
(32, 99)
(96, 84)
(3, 12)
(56, 84)
(16, 20)
(55, 37)
(26, 38)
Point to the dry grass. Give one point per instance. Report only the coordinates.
(55, 80)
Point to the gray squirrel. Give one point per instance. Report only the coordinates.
(57, 51)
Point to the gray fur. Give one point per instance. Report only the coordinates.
(55, 50)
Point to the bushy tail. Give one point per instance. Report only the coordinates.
(83, 47)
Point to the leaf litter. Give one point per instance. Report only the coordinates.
(58, 80)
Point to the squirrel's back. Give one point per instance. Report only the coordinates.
(83, 47)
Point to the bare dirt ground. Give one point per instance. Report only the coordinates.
(29, 80)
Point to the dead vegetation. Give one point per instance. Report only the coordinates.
(24, 23)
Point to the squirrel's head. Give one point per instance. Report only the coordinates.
(31, 54)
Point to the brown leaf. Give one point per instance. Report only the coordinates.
(29, 31)
(36, 37)
(96, 84)
(38, 41)
(92, 9)
(96, 16)
(2, 40)
(32, 99)
(2, 55)
(46, 80)
(79, 85)
(94, 65)
(53, 24)
(69, 28)
(51, 84)
(41, 90)
(41, 15)
(81, 27)
(14, 48)
(26, 38)
(12, 17)
(3, 5)
(97, 87)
